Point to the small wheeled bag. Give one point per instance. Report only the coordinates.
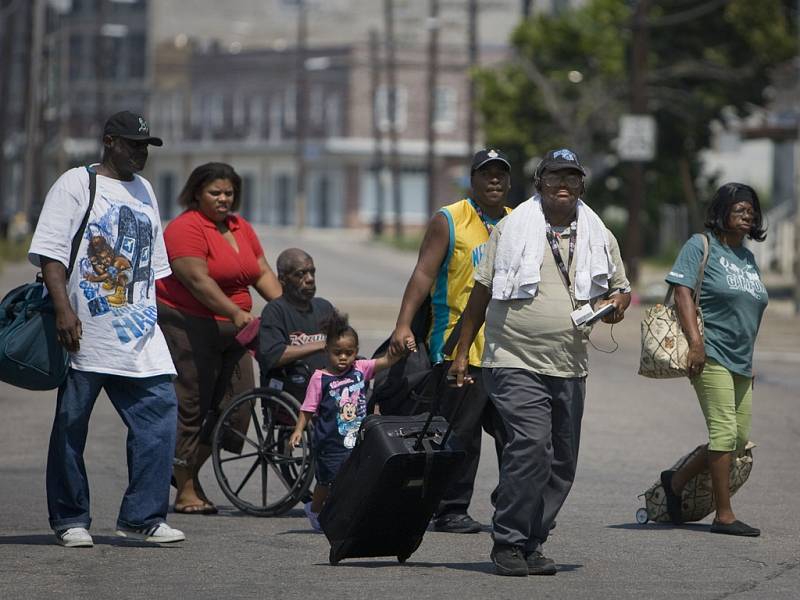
(31, 356)
(697, 498)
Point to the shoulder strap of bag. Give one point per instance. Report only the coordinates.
(76, 241)
(452, 339)
(701, 271)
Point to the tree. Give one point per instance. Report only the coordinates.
(567, 84)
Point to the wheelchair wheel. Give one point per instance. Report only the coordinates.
(268, 477)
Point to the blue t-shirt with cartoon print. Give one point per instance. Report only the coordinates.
(339, 403)
(732, 299)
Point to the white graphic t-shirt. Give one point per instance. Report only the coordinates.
(112, 287)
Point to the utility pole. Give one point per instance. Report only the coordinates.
(100, 61)
(472, 54)
(633, 240)
(797, 184)
(526, 8)
(7, 22)
(433, 68)
(378, 165)
(391, 101)
(301, 102)
(33, 116)
(64, 106)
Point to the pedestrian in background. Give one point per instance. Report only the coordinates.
(106, 319)
(534, 360)
(720, 360)
(215, 256)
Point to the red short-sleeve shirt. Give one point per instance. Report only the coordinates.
(194, 234)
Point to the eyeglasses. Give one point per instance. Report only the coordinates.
(554, 180)
(741, 212)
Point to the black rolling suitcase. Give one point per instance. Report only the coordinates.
(387, 490)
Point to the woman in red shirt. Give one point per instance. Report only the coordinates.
(215, 257)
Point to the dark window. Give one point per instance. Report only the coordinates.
(166, 195)
(283, 190)
(324, 202)
(247, 206)
(76, 58)
(137, 55)
(114, 58)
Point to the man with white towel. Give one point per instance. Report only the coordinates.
(547, 266)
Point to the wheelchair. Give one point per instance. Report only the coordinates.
(269, 477)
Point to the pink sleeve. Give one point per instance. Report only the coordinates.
(367, 367)
(313, 393)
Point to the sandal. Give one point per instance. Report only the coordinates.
(735, 528)
(196, 509)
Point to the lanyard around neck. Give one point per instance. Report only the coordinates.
(553, 241)
(488, 222)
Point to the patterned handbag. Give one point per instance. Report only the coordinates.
(664, 345)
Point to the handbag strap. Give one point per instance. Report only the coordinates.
(76, 240)
(701, 272)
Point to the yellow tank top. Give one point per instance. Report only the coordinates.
(468, 236)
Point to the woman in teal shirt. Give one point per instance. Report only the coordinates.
(733, 299)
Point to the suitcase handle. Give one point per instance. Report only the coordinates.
(438, 370)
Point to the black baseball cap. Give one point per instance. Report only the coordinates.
(130, 126)
(488, 155)
(560, 160)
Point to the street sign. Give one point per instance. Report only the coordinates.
(637, 137)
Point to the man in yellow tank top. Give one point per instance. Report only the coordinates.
(453, 245)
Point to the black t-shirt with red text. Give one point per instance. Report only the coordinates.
(283, 324)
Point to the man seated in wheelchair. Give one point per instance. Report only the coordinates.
(291, 343)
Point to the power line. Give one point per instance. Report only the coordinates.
(687, 15)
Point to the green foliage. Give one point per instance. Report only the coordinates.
(531, 104)
(699, 63)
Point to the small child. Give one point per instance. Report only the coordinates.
(335, 399)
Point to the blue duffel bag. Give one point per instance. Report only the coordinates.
(31, 356)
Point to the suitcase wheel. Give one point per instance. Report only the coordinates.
(641, 516)
(401, 558)
(332, 558)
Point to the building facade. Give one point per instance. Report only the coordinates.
(211, 104)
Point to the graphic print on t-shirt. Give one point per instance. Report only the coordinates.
(742, 279)
(298, 338)
(118, 255)
(348, 396)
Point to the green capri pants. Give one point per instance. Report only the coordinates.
(727, 403)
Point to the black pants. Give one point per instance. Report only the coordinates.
(469, 410)
(542, 416)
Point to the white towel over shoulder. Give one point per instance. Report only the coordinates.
(520, 251)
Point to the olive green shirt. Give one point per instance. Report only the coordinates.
(537, 334)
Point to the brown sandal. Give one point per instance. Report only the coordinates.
(196, 509)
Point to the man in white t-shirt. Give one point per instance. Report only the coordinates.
(106, 318)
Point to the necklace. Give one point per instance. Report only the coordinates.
(487, 221)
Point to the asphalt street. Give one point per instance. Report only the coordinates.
(632, 429)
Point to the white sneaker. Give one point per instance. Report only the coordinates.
(313, 517)
(160, 533)
(74, 537)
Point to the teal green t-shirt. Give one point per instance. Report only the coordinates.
(732, 299)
